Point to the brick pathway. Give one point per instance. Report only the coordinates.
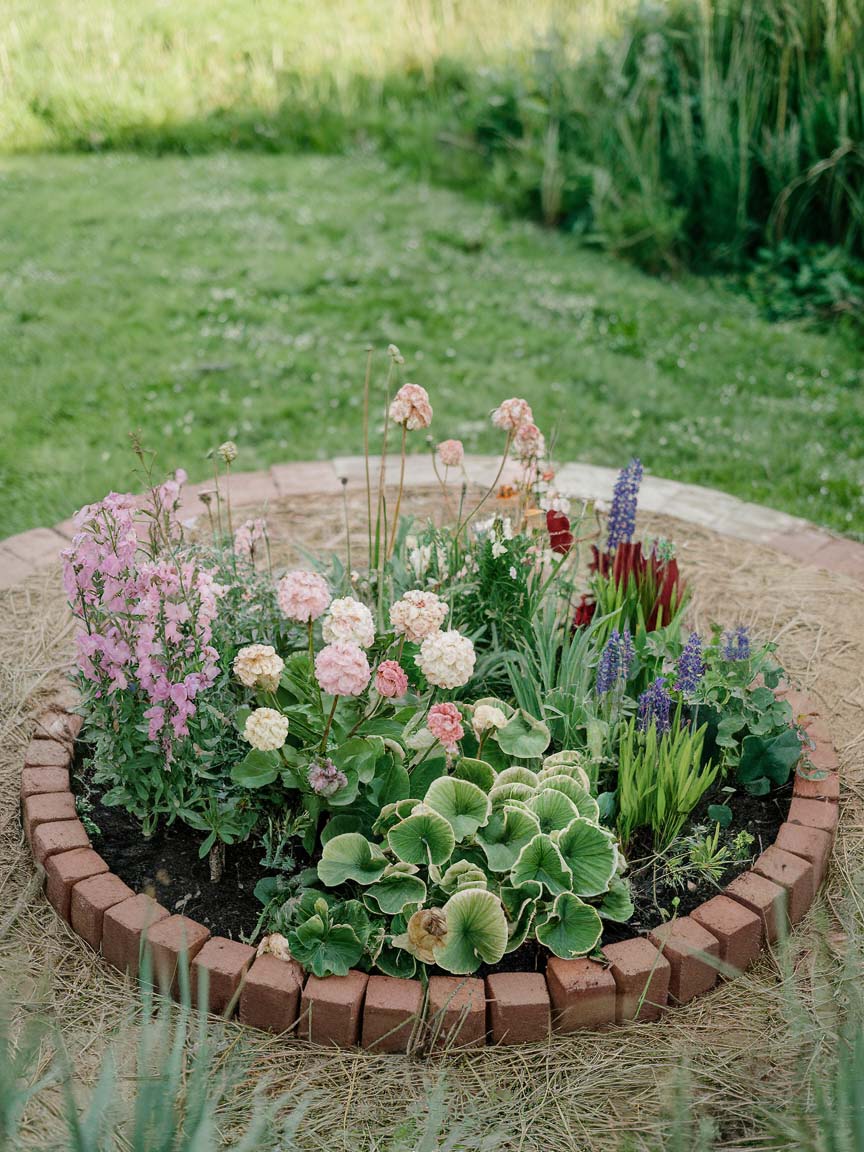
(22, 554)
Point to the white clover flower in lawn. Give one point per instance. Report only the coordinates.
(266, 729)
(418, 614)
(349, 621)
(487, 716)
(446, 659)
(259, 666)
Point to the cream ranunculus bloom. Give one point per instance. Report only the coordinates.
(258, 666)
(266, 729)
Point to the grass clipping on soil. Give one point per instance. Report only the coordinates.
(599, 1091)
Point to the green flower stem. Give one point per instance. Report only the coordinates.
(327, 725)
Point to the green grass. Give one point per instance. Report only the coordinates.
(233, 295)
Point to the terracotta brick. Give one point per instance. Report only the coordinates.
(583, 994)
(46, 754)
(225, 963)
(738, 931)
(36, 546)
(12, 569)
(519, 1008)
(63, 872)
(797, 876)
(250, 488)
(814, 814)
(58, 836)
(91, 899)
(842, 556)
(64, 727)
(802, 545)
(763, 897)
(299, 479)
(331, 1009)
(810, 843)
(270, 999)
(457, 1011)
(44, 808)
(641, 977)
(38, 781)
(687, 946)
(123, 928)
(392, 1012)
(169, 940)
(65, 697)
(817, 784)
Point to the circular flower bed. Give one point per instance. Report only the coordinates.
(457, 777)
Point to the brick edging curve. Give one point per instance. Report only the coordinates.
(641, 976)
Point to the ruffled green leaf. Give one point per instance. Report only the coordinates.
(462, 804)
(477, 771)
(257, 769)
(361, 753)
(617, 903)
(391, 814)
(350, 857)
(585, 803)
(323, 948)
(570, 929)
(463, 874)
(553, 809)
(523, 736)
(541, 862)
(507, 832)
(424, 838)
(476, 932)
(501, 795)
(397, 889)
(516, 774)
(590, 854)
(520, 908)
(567, 762)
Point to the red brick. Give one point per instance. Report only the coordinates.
(792, 873)
(169, 940)
(817, 784)
(270, 999)
(58, 836)
(331, 1008)
(392, 1012)
(687, 946)
(810, 843)
(763, 897)
(123, 927)
(457, 1011)
(641, 977)
(738, 931)
(91, 899)
(63, 872)
(54, 724)
(814, 814)
(46, 754)
(519, 1007)
(38, 781)
(44, 808)
(583, 994)
(225, 963)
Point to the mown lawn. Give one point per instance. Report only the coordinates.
(234, 295)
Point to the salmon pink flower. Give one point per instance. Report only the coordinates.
(451, 453)
(390, 680)
(342, 669)
(445, 724)
(411, 407)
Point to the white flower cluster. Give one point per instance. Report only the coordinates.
(258, 666)
(487, 716)
(418, 614)
(266, 729)
(446, 659)
(349, 622)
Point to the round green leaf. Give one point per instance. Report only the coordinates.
(338, 825)
(396, 889)
(477, 771)
(516, 774)
(462, 804)
(424, 837)
(585, 803)
(571, 929)
(256, 769)
(350, 857)
(391, 814)
(499, 796)
(463, 874)
(567, 762)
(553, 809)
(505, 835)
(520, 908)
(617, 903)
(541, 861)
(395, 961)
(360, 753)
(590, 854)
(325, 949)
(523, 736)
(476, 932)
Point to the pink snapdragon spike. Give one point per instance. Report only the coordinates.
(391, 680)
(148, 621)
(445, 724)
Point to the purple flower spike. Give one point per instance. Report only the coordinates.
(654, 707)
(622, 515)
(690, 666)
(615, 660)
(736, 644)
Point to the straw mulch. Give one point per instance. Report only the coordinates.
(597, 1092)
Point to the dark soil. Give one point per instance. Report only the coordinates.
(167, 866)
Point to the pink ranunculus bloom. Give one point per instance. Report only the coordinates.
(303, 596)
(342, 669)
(512, 414)
(390, 680)
(529, 442)
(445, 723)
(451, 453)
(411, 408)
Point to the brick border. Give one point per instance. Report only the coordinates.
(640, 979)
(642, 975)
